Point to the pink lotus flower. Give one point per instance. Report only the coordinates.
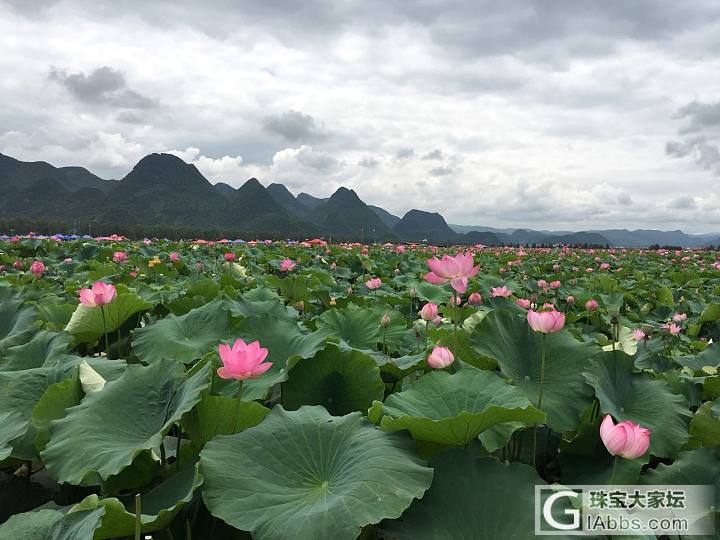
(400, 249)
(120, 257)
(286, 265)
(455, 269)
(523, 303)
(37, 268)
(591, 305)
(440, 357)
(547, 320)
(373, 283)
(17, 265)
(673, 328)
(555, 284)
(542, 283)
(385, 321)
(428, 312)
(174, 256)
(242, 361)
(639, 335)
(679, 317)
(570, 299)
(503, 292)
(475, 299)
(229, 256)
(604, 266)
(100, 294)
(626, 439)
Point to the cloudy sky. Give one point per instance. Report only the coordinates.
(564, 114)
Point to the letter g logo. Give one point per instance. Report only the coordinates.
(550, 520)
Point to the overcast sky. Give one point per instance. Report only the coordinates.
(563, 114)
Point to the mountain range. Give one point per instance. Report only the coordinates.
(164, 196)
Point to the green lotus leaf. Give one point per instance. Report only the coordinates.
(342, 381)
(102, 435)
(12, 426)
(185, 338)
(157, 506)
(86, 324)
(454, 409)
(509, 340)
(52, 525)
(635, 396)
(307, 474)
(471, 498)
(220, 415)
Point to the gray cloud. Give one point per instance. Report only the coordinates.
(440, 171)
(684, 202)
(624, 199)
(705, 154)
(294, 126)
(435, 154)
(103, 85)
(404, 153)
(508, 91)
(701, 115)
(369, 162)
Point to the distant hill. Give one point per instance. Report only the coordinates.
(309, 202)
(418, 225)
(282, 196)
(344, 214)
(485, 238)
(386, 217)
(22, 174)
(164, 190)
(224, 189)
(164, 196)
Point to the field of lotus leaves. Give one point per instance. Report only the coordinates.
(274, 390)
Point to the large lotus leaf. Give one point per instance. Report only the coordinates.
(635, 396)
(692, 467)
(16, 322)
(705, 425)
(86, 324)
(359, 328)
(432, 293)
(52, 405)
(342, 381)
(43, 346)
(699, 467)
(454, 409)
(157, 507)
(307, 474)
(102, 435)
(471, 498)
(585, 460)
(511, 342)
(19, 392)
(220, 415)
(12, 426)
(52, 525)
(710, 357)
(283, 339)
(185, 338)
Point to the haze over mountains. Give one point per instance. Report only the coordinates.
(164, 196)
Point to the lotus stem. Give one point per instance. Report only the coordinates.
(239, 393)
(614, 470)
(138, 520)
(107, 343)
(540, 396)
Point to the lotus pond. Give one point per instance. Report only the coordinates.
(272, 390)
